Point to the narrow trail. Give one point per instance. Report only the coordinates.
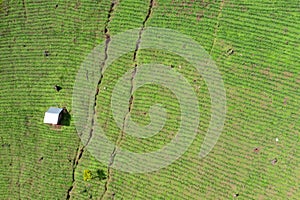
(25, 9)
(107, 41)
(76, 159)
(217, 26)
(130, 102)
(80, 149)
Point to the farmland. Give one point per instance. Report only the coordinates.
(255, 45)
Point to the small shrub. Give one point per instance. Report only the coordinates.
(87, 175)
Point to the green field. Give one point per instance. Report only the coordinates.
(255, 45)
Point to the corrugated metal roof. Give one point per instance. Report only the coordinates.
(52, 115)
(54, 110)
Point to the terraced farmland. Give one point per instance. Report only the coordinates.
(255, 45)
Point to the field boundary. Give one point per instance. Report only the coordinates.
(217, 26)
(130, 102)
(80, 150)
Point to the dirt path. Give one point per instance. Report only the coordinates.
(80, 149)
(130, 102)
(217, 26)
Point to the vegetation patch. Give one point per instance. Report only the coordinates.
(255, 45)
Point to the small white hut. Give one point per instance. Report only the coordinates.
(53, 115)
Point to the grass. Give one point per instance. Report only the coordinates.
(27, 92)
(261, 77)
